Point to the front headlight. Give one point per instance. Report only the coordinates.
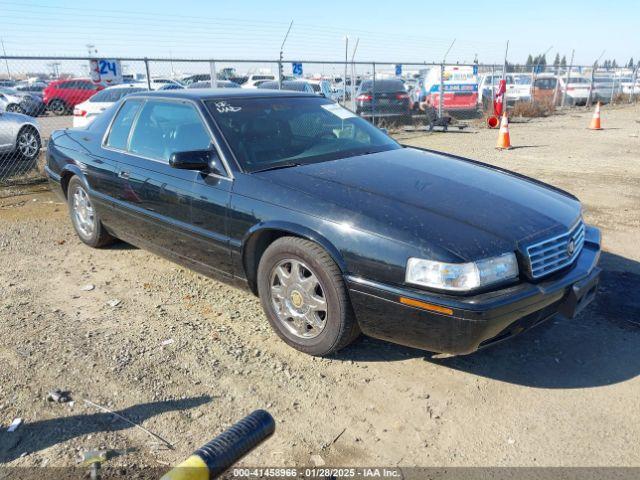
(460, 277)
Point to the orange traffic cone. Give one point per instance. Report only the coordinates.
(504, 141)
(595, 120)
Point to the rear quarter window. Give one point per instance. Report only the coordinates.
(119, 133)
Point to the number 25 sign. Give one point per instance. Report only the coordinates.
(105, 70)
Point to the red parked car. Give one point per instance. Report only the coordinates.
(61, 96)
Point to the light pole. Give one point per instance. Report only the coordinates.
(281, 56)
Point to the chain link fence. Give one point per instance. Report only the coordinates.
(41, 94)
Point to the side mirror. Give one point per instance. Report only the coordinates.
(200, 160)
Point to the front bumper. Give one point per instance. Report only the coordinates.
(477, 320)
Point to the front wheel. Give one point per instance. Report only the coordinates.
(28, 143)
(304, 297)
(85, 219)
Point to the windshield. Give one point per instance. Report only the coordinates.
(267, 133)
(522, 79)
(383, 86)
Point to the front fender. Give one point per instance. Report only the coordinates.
(295, 230)
(261, 235)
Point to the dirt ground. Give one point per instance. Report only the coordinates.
(185, 356)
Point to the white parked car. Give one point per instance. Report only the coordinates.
(605, 88)
(518, 88)
(628, 86)
(254, 80)
(576, 90)
(85, 112)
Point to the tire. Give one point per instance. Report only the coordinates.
(28, 144)
(57, 107)
(84, 218)
(14, 107)
(334, 327)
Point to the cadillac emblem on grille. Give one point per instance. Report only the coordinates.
(552, 254)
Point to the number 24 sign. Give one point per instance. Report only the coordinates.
(105, 70)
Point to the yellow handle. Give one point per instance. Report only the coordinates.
(193, 468)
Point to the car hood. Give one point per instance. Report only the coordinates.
(18, 118)
(14, 97)
(427, 199)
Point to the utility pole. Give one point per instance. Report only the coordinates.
(6, 62)
(346, 60)
(353, 76)
(54, 69)
(281, 56)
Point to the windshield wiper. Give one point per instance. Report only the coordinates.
(277, 167)
(367, 152)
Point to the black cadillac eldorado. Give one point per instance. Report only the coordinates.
(337, 228)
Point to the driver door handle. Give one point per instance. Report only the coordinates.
(123, 174)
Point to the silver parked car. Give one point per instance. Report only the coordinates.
(19, 136)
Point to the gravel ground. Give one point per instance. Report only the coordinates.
(186, 356)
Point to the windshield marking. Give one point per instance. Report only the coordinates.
(224, 107)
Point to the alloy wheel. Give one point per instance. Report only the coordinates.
(83, 213)
(298, 298)
(28, 144)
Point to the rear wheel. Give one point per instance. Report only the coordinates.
(14, 107)
(85, 219)
(57, 107)
(304, 296)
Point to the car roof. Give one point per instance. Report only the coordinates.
(72, 79)
(212, 93)
(127, 85)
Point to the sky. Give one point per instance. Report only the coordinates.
(395, 32)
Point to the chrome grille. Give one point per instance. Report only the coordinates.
(554, 253)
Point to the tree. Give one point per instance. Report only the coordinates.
(630, 64)
(563, 62)
(530, 61)
(556, 61)
(614, 64)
